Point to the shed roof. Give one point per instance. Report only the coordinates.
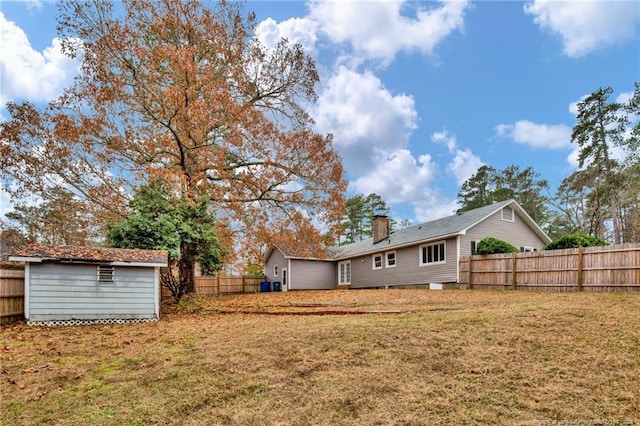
(115, 256)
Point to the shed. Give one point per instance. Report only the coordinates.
(82, 285)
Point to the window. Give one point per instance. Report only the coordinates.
(432, 253)
(507, 214)
(391, 259)
(105, 274)
(473, 247)
(377, 261)
(344, 272)
(275, 270)
(527, 249)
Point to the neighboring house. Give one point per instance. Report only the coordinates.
(90, 284)
(428, 253)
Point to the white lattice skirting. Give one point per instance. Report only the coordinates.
(55, 323)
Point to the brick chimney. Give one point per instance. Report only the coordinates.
(380, 228)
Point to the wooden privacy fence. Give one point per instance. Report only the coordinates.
(11, 293)
(223, 285)
(608, 268)
(227, 284)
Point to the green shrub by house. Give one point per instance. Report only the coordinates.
(492, 245)
(575, 240)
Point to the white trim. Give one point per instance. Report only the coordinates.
(386, 259)
(26, 259)
(27, 290)
(458, 259)
(288, 286)
(157, 291)
(373, 261)
(142, 264)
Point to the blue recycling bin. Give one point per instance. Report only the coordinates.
(276, 286)
(264, 286)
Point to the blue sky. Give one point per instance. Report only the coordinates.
(418, 95)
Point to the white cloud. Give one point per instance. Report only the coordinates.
(296, 30)
(26, 74)
(541, 136)
(586, 25)
(380, 30)
(364, 117)
(400, 178)
(464, 163)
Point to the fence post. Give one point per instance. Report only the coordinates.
(513, 271)
(580, 260)
(469, 279)
(218, 283)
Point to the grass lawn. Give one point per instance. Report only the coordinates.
(356, 357)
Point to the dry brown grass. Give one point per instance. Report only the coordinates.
(396, 357)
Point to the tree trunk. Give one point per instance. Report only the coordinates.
(185, 267)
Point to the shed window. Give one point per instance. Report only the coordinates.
(105, 274)
(275, 270)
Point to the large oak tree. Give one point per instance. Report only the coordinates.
(182, 91)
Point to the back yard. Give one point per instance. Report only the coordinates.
(403, 357)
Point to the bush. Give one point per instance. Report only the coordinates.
(575, 240)
(492, 245)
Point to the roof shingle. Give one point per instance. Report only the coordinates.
(92, 254)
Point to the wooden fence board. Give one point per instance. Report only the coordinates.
(608, 268)
(11, 293)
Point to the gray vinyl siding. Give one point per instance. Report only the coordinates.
(311, 275)
(275, 258)
(302, 274)
(407, 270)
(517, 233)
(72, 291)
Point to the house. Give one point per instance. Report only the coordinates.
(419, 255)
(79, 285)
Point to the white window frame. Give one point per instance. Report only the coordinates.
(275, 270)
(344, 279)
(507, 208)
(106, 274)
(426, 246)
(376, 265)
(386, 259)
(527, 249)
